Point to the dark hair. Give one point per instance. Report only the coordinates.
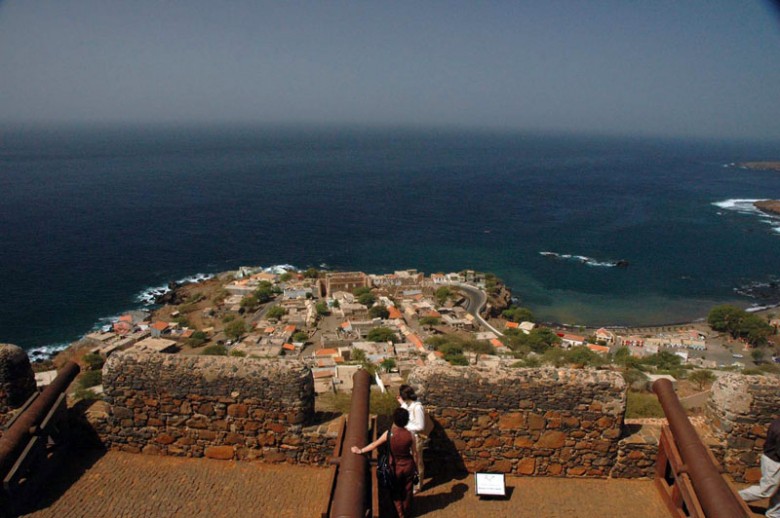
(401, 417)
(407, 393)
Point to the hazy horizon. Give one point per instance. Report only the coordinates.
(704, 70)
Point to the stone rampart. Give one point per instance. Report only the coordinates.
(218, 407)
(739, 410)
(546, 422)
(17, 380)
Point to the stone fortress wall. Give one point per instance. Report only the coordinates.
(17, 380)
(546, 422)
(218, 407)
(739, 411)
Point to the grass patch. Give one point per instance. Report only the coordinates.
(379, 404)
(643, 404)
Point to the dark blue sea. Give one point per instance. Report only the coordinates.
(91, 217)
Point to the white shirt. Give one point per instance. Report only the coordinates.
(416, 416)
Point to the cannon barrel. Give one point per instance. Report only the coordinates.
(715, 496)
(349, 498)
(22, 430)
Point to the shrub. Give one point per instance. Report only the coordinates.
(643, 404)
(276, 312)
(322, 309)
(237, 353)
(378, 311)
(235, 329)
(197, 339)
(215, 350)
(91, 379)
(382, 334)
(367, 299)
(94, 361)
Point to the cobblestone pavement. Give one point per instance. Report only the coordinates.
(544, 498)
(132, 485)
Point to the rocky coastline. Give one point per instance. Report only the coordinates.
(771, 207)
(760, 166)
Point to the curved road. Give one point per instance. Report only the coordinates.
(476, 301)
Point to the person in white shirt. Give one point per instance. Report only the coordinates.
(407, 398)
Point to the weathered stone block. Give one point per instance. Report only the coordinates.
(219, 452)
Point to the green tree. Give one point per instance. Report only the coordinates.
(663, 360)
(584, 356)
(286, 276)
(725, 318)
(265, 292)
(250, 302)
(477, 347)
(518, 314)
(378, 311)
(361, 291)
(367, 299)
(701, 377)
(235, 329)
(388, 364)
(442, 294)
(300, 336)
(311, 273)
(382, 334)
(322, 309)
(357, 355)
(755, 330)
(276, 312)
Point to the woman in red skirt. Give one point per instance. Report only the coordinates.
(402, 451)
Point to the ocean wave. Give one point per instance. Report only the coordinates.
(744, 205)
(148, 296)
(279, 269)
(747, 206)
(46, 352)
(587, 261)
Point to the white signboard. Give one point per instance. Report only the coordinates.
(490, 484)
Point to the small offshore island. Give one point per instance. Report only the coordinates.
(391, 324)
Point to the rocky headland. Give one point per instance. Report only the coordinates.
(761, 166)
(768, 206)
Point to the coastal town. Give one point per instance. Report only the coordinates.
(390, 324)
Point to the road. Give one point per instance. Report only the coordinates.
(476, 301)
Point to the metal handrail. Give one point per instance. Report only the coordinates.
(349, 497)
(716, 497)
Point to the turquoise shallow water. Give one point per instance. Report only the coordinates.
(90, 218)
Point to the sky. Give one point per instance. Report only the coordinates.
(698, 68)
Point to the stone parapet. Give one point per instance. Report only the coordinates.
(740, 409)
(17, 380)
(548, 422)
(218, 407)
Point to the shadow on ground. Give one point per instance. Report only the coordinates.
(71, 467)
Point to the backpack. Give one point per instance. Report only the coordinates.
(385, 469)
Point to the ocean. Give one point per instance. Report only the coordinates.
(90, 218)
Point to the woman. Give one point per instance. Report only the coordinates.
(407, 398)
(402, 451)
